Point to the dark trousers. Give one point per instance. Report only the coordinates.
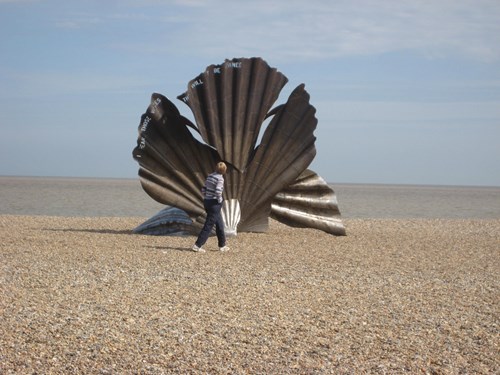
(214, 216)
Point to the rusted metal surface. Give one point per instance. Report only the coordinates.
(230, 102)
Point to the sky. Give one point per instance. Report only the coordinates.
(406, 92)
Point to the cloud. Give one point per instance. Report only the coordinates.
(347, 114)
(17, 84)
(17, 1)
(306, 31)
(321, 29)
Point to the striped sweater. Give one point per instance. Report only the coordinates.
(214, 186)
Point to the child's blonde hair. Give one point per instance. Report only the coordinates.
(221, 167)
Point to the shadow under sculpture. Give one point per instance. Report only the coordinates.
(230, 103)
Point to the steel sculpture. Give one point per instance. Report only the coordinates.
(230, 102)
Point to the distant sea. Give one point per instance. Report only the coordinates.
(91, 197)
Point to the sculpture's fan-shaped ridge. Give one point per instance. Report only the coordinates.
(308, 199)
(173, 164)
(230, 102)
(286, 149)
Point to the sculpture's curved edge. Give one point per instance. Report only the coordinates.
(308, 203)
(170, 221)
(297, 218)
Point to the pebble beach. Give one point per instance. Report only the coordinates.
(406, 296)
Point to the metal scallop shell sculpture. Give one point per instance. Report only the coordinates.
(230, 103)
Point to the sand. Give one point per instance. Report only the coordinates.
(85, 296)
